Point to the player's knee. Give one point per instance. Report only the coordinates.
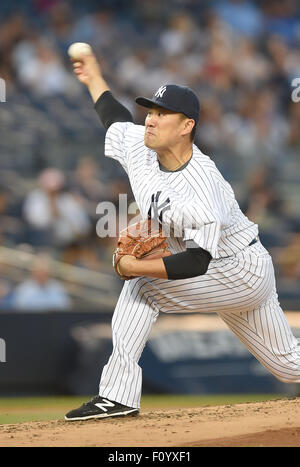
(291, 378)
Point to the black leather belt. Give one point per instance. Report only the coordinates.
(255, 240)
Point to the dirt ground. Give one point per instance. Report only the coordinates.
(262, 424)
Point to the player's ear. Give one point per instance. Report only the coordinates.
(188, 126)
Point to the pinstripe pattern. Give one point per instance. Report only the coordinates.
(239, 284)
(132, 322)
(266, 333)
(199, 194)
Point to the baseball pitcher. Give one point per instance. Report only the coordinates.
(212, 260)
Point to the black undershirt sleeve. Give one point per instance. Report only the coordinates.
(190, 263)
(110, 110)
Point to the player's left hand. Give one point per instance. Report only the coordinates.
(139, 242)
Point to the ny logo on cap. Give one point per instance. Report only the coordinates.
(160, 92)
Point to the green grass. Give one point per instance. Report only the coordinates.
(27, 409)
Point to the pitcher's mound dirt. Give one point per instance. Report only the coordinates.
(267, 424)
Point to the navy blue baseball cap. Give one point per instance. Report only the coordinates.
(173, 97)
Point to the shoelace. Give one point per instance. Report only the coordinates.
(94, 399)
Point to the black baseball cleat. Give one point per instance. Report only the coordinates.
(99, 407)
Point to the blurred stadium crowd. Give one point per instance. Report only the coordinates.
(239, 56)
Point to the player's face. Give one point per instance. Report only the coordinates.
(163, 128)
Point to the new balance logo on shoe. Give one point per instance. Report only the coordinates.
(104, 404)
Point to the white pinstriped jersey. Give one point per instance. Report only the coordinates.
(239, 284)
(199, 198)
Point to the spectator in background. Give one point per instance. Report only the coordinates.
(217, 67)
(40, 292)
(99, 28)
(11, 226)
(285, 63)
(89, 189)
(43, 72)
(294, 127)
(289, 258)
(181, 34)
(288, 262)
(264, 205)
(211, 130)
(88, 186)
(257, 131)
(250, 66)
(133, 69)
(241, 15)
(6, 295)
(61, 22)
(280, 19)
(54, 215)
(13, 30)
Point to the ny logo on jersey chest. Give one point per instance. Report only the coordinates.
(157, 210)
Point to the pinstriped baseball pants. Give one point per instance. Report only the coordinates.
(240, 289)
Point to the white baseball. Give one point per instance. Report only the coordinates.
(78, 49)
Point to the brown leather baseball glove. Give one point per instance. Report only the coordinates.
(144, 240)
